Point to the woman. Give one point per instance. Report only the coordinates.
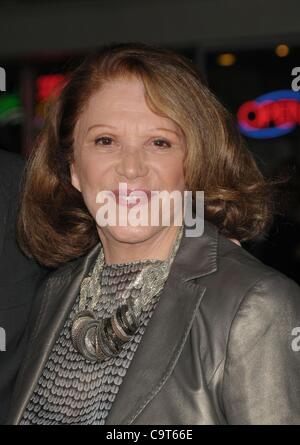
(142, 324)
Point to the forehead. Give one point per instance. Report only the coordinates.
(125, 92)
(121, 100)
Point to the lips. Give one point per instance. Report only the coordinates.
(132, 197)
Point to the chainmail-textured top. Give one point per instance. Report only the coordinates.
(72, 390)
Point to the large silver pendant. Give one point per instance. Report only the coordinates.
(97, 340)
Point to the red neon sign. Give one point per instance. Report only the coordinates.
(49, 85)
(271, 115)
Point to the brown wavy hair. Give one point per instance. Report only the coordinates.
(54, 224)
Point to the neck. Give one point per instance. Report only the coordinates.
(158, 246)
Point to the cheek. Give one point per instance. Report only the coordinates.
(90, 177)
(173, 174)
(90, 172)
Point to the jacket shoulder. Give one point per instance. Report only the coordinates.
(261, 367)
(243, 280)
(65, 271)
(244, 301)
(68, 271)
(244, 271)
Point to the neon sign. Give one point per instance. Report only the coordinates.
(271, 115)
(49, 85)
(10, 109)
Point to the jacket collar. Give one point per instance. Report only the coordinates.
(161, 344)
(197, 256)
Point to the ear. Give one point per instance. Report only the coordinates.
(74, 176)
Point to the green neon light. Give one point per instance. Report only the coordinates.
(9, 103)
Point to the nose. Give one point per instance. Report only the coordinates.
(132, 163)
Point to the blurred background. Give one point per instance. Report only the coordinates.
(246, 49)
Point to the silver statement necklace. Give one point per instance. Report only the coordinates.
(98, 339)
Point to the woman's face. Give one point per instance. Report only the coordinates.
(118, 139)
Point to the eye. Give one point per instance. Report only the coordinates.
(103, 140)
(163, 143)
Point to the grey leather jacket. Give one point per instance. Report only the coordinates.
(218, 349)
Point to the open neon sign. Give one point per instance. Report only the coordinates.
(271, 115)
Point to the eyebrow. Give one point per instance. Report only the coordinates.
(99, 125)
(165, 129)
(150, 129)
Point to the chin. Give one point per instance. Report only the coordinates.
(130, 234)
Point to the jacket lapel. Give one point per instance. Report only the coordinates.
(160, 345)
(158, 351)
